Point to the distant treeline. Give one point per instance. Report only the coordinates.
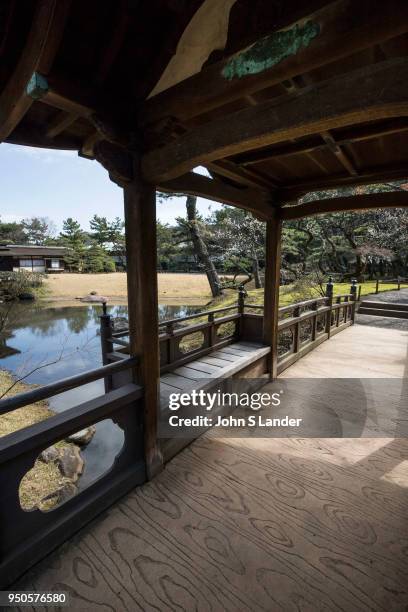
(232, 241)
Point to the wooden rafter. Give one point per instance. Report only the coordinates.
(379, 174)
(327, 137)
(376, 92)
(38, 53)
(348, 136)
(367, 201)
(336, 149)
(60, 123)
(109, 54)
(243, 176)
(196, 184)
(342, 28)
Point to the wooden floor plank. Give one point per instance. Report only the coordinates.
(192, 373)
(224, 355)
(166, 388)
(256, 524)
(180, 382)
(246, 346)
(232, 350)
(218, 362)
(249, 525)
(203, 366)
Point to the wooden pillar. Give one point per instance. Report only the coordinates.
(272, 279)
(140, 218)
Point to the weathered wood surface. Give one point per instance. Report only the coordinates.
(140, 217)
(283, 524)
(373, 93)
(341, 28)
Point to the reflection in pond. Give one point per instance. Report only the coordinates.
(67, 339)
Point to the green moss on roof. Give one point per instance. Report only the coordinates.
(271, 50)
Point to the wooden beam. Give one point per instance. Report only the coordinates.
(339, 153)
(386, 199)
(379, 174)
(346, 137)
(199, 185)
(230, 170)
(59, 92)
(60, 123)
(331, 33)
(140, 223)
(14, 101)
(271, 292)
(374, 92)
(33, 136)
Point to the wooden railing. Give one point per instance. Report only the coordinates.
(179, 343)
(390, 281)
(302, 326)
(25, 537)
(305, 325)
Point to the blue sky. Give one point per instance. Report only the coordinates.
(59, 184)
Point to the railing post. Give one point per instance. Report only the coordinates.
(399, 283)
(241, 299)
(329, 295)
(105, 332)
(171, 355)
(211, 335)
(338, 301)
(353, 291)
(272, 280)
(377, 285)
(359, 293)
(106, 329)
(242, 294)
(296, 338)
(314, 321)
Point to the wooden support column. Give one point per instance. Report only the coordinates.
(272, 279)
(140, 218)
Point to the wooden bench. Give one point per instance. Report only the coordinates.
(240, 360)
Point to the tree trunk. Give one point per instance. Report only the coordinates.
(200, 248)
(256, 274)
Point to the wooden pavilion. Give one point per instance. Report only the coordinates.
(276, 98)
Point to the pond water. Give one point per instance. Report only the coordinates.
(53, 343)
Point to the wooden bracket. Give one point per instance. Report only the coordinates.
(109, 131)
(117, 161)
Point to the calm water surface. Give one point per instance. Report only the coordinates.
(69, 337)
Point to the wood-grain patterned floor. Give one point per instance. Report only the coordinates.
(261, 525)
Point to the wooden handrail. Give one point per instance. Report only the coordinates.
(71, 382)
(197, 315)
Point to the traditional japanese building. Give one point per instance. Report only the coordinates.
(44, 259)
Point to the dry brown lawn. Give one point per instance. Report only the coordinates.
(44, 478)
(172, 287)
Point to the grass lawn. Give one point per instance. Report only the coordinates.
(288, 296)
(173, 289)
(44, 478)
(176, 288)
